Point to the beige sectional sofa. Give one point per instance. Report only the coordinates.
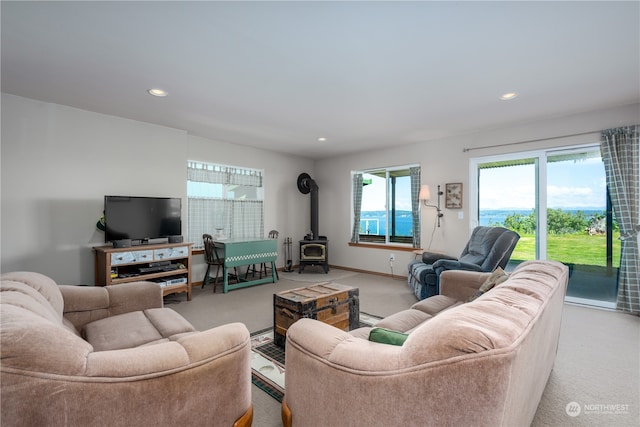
(89, 356)
(479, 363)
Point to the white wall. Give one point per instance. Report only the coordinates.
(59, 162)
(442, 161)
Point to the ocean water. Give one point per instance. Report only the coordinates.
(375, 221)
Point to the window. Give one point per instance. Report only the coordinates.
(386, 207)
(224, 199)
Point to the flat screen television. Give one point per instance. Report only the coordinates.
(141, 218)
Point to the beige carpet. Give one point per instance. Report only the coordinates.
(317, 274)
(597, 370)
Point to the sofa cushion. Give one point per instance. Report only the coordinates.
(403, 321)
(136, 329)
(435, 304)
(387, 336)
(362, 332)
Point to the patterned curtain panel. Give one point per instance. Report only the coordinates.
(415, 204)
(203, 172)
(357, 207)
(205, 216)
(213, 203)
(246, 219)
(620, 153)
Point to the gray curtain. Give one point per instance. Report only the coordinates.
(415, 205)
(620, 152)
(357, 207)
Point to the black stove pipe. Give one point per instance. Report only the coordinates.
(307, 185)
(314, 209)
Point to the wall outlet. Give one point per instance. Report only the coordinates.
(392, 257)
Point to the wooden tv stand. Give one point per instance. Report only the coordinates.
(114, 266)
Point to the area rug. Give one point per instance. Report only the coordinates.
(267, 359)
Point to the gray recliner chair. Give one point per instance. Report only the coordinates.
(487, 249)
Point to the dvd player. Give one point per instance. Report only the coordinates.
(158, 268)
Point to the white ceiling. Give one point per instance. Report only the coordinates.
(278, 75)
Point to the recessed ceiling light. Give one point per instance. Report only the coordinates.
(322, 139)
(508, 96)
(157, 92)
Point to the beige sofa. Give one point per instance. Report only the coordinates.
(89, 356)
(479, 363)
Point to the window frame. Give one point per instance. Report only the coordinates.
(386, 240)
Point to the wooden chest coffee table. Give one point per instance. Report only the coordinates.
(331, 303)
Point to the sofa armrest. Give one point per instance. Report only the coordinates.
(336, 347)
(461, 284)
(210, 366)
(369, 383)
(202, 378)
(84, 304)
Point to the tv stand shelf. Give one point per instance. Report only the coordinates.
(114, 266)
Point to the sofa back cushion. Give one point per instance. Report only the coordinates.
(32, 326)
(34, 292)
(496, 320)
(35, 343)
(136, 329)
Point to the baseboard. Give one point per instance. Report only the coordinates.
(375, 273)
(339, 267)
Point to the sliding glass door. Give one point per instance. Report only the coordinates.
(507, 198)
(580, 228)
(557, 202)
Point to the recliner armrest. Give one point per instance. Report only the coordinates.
(445, 264)
(84, 304)
(431, 257)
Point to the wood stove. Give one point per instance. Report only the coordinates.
(314, 248)
(314, 252)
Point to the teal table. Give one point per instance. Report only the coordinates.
(248, 252)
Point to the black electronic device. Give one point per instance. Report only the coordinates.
(141, 218)
(159, 263)
(157, 268)
(122, 243)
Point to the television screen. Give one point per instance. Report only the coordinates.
(140, 218)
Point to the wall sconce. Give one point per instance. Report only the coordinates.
(425, 196)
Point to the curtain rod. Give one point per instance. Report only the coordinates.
(464, 150)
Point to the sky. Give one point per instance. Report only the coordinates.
(571, 184)
(579, 184)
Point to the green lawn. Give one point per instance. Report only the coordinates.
(570, 249)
